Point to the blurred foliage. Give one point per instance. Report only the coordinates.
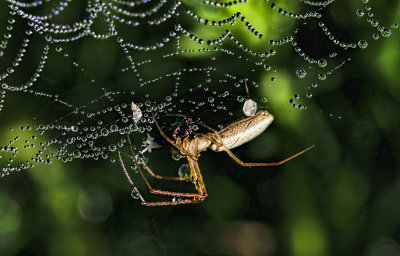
(341, 198)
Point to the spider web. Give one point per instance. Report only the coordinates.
(71, 69)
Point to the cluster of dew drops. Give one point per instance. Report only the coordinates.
(367, 13)
(84, 138)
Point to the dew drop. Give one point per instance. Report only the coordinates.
(178, 27)
(322, 63)
(362, 44)
(184, 171)
(112, 147)
(321, 76)
(175, 154)
(301, 73)
(135, 194)
(360, 13)
(104, 132)
(249, 107)
(386, 32)
(374, 23)
(114, 128)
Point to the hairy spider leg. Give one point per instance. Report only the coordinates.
(198, 178)
(195, 197)
(144, 202)
(237, 160)
(172, 142)
(151, 172)
(157, 191)
(129, 178)
(247, 89)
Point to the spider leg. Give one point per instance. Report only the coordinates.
(193, 197)
(165, 192)
(129, 179)
(172, 142)
(164, 177)
(198, 179)
(237, 160)
(151, 172)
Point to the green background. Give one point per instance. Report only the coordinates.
(340, 198)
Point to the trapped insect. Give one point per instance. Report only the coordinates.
(230, 137)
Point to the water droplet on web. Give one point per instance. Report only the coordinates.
(135, 194)
(114, 128)
(175, 154)
(360, 13)
(178, 27)
(184, 171)
(112, 147)
(362, 44)
(322, 63)
(321, 76)
(249, 107)
(386, 32)
(301, 73)
(240, 98)
(81, 123)
(104, 132)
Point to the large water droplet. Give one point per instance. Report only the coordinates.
(184, 171)
(249, 107)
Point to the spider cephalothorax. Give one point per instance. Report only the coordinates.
(183, 128)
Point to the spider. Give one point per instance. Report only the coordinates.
(230, 137)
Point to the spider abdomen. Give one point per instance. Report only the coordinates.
(243, 131)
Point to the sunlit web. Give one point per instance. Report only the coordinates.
(168, 57)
